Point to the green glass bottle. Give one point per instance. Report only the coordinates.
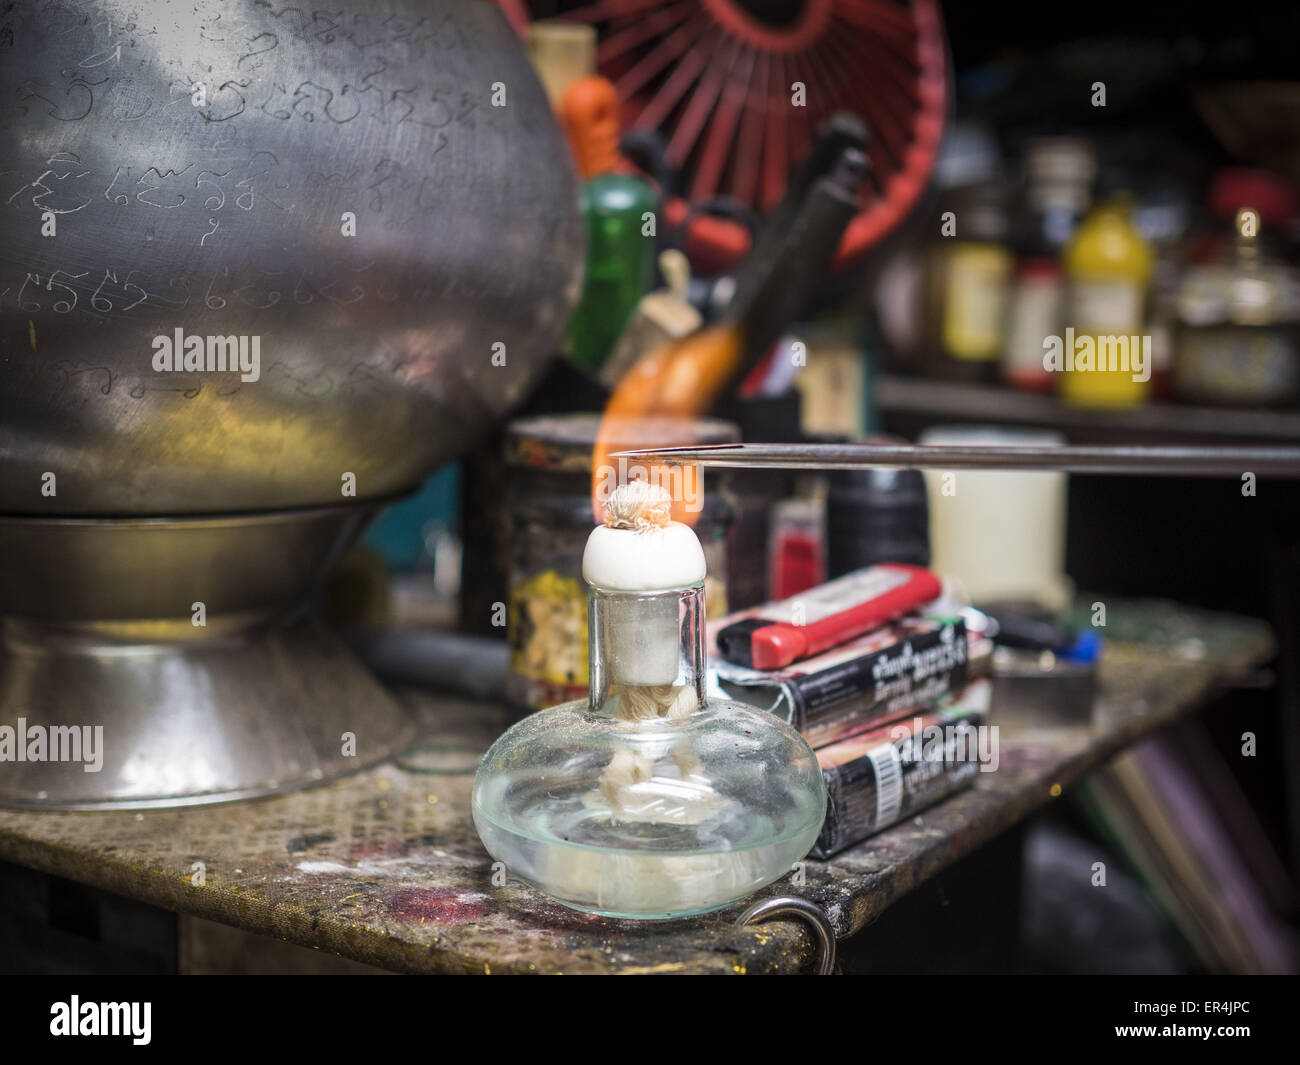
(619, 264)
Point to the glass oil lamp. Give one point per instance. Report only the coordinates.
(645, 800)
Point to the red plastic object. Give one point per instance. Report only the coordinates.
(798, 565)
(769, 641)
(717, 82)
(1236, 187)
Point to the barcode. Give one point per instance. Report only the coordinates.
(889, 782)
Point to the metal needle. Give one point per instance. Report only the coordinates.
(1188, 461)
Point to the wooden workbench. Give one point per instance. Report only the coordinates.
(385, 867)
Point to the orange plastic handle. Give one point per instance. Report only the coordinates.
(589, 113)
(679, 380)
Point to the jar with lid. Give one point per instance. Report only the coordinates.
(549, 506)
(1238, 307)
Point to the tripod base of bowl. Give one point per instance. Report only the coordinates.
(164, 726)
(140, 708)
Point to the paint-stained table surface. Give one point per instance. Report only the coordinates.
(385, 867)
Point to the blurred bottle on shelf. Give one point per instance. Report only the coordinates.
(615, 204)
(1163, 217)
(1059, 172)
(968, 269)
(798, 548)
(833, 381)
(971, 274)
(1108, 265)
(1239, 305)
(620, 261)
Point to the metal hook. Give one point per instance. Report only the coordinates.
(812, 914)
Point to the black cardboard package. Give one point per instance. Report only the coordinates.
(884, 774)
(912, 662)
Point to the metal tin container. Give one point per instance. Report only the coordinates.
(549, 502)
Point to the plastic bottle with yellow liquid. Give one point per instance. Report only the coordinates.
(1109, 266)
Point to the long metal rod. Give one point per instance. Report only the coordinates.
(1122, 459)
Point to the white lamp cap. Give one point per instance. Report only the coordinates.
(639, 549)
(628, 560)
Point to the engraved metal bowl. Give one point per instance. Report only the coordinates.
(197, 166)
(377, 200)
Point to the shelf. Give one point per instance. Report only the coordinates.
(385, 867)
(910, 399)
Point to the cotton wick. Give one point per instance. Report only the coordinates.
(639, 505)
(643, 642)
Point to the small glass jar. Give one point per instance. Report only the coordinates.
(645, 800)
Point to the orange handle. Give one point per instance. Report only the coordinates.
(677, 381)
(589, 113)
